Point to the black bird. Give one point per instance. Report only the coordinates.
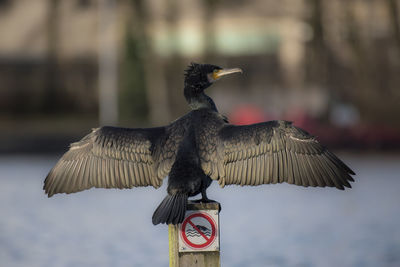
(193, 150)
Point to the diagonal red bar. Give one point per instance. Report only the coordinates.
(198, 230)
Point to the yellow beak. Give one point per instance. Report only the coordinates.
(219, 73)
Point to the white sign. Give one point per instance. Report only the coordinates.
(199, 231)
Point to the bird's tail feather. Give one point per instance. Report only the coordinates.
(171, 210)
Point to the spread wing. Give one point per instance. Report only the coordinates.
(274, 152)
(112, 157)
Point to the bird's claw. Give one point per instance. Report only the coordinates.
(206, 200)
(203, 200)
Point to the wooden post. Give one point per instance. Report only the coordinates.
(196, 258)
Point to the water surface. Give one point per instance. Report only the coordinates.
(271, 225)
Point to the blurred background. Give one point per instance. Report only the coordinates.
(331, 67)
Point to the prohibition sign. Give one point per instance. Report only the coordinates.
(207, 237)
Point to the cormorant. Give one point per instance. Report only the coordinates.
(193, 151)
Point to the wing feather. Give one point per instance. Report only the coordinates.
(254, 170)
(270, 160)
(276, 152)
(303, 174)
(289, 168)
(310, 172)
(112, 157)
(325, 171)
(87, 165)
(275, 168)
(296, 170)
(258, 174)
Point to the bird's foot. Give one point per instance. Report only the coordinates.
(206, 200)
(203, 200)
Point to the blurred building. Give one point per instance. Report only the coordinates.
(307, 57)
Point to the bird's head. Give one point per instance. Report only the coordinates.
(200, 76)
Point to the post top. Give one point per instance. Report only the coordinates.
(203, 206)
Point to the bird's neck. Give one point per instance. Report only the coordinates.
(199, 100)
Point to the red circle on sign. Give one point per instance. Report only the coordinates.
(208, 240)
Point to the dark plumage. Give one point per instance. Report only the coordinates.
(195, 149)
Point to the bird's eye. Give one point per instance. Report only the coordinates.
(215, 74)
(216, 71)
(212, 76)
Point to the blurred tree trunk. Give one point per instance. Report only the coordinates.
(355, 43)
(395, 23)
(210, 10)
(157, 90)
(108, 63)
(317, 47)
(144, 87)
(394, 17)
(52, 66)
(175, 63)
(366, 89)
